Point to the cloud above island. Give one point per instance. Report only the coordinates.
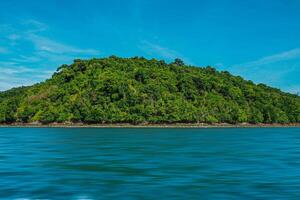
(279, 70)
(43, 35)
(283, 56)
(153, 49)
(21, 66)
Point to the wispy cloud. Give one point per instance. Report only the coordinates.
(45, 44)
(27, 59)
(34, 26)
(154, 49)
(287, 55)
(294, 89)
(278, 70)
(27, 66)
(14, 75)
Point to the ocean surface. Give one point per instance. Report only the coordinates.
(149, 163)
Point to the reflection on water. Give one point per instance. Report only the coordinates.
(246, 163)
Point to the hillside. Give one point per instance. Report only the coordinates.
(136, 90)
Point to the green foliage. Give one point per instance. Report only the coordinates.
(137, 90)
(178, 62)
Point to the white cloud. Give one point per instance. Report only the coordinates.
(45, 44)
(12, 68)
(46, 54)
(294, 89)
(4, 85)
(34, 25)
(32, 32)
(219, 65)
(26, 59)
(13, 75)
(277, 70)
(287, 55)
(153, 49)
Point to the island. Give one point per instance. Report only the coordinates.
(146, 92)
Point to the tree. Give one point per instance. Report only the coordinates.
(178, 62)
(138, 90)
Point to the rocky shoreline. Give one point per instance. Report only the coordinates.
(147, 125)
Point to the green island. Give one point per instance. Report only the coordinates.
(137, 91)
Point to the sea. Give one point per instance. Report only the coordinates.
(149, 163)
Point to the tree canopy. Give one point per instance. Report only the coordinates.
(138, 90)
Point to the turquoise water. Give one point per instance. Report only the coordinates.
(111, 163)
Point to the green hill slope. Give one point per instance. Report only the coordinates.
(138, 90)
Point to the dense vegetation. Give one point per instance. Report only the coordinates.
(137, 90)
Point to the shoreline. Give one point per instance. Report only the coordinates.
(145, 125)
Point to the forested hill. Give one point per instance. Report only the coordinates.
(137, 90)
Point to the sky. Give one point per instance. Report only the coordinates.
(256, 39)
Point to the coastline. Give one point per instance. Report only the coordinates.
(146, 125)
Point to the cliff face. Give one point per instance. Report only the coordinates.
(136, 90)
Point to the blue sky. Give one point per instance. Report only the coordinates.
(259, 40)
